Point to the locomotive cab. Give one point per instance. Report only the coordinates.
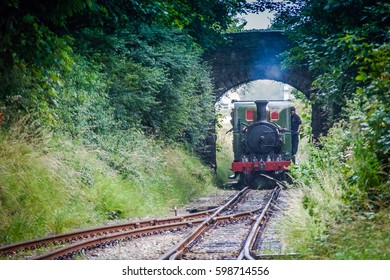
(261, 141)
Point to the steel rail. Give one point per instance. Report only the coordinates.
(178, 249)
(94, 232)
(92, 237)
(261, 219)
(91, 244)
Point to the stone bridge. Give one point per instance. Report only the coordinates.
(250, 56)
(256, 55)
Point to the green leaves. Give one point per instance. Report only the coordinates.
(144, 78)
(345, 46)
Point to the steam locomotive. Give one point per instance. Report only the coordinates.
(261, 142)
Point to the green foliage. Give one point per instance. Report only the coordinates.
(341, 185)
(365, 169)
(320, 31)
(374, 70)
(342, 201)
(109, 78)
(83, 106)
(33, 56)
(316, 198)
(25, 89)
(365, 238)
(34, 31)
(157, 81)
(37, 38)
(53, 184)
(303, 105)
(153, 80)
(28, 32)
(322, 196)
(345, 47)
(34, 187)
(224, 142)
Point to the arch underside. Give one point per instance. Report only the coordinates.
(232, 80)
(249, 56)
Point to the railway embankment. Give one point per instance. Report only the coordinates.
(51, 184)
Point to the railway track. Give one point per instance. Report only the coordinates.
(66, 245)
(238, 211)
(85, 235)
(219, 237)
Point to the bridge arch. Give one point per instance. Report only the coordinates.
(256, 55)
(250, 56)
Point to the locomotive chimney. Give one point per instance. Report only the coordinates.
(261, 107)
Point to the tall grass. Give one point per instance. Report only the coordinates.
(224, 148)
(51, 184)
(311, 209)
(34, 187)
(325, 218)
(362, 238)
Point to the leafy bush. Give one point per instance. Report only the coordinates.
(367, 175)
(155, 78)
(83, 106)
(337, 187)
(348, 57)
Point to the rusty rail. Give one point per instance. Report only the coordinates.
(175, 252)
(261, 219)
(94, 232)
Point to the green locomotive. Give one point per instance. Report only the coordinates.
(261, 142)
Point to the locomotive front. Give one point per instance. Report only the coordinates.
(262, 137)
(261, 141)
